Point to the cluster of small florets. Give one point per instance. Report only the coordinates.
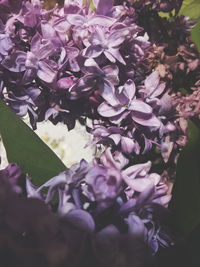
(98, 214)
(97, 62)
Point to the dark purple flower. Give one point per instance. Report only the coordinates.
(11, 176)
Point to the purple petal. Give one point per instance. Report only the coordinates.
(93, 51)
(116, 138)
(31, 190)
(28, 76)
(98, 37)
(107, 91)
(20, 109)
(102, 21)
(141, 107)
(140, 170)
(15, 62)
(109, 56)
(104, 7)
(46, 50)
(30, 20)
(45, 72)
(61, 25)
(164, 200)
(117, 37)
(81, 219)
(107, 110)
(65, 83)
(142, 114)
(64, 205)
(151, 122)
(152, 81)
(48, 31)
(155, 178)
(36, 43)
(158, 91)
(139, 185)
(76, 19)
(146, 195)
(110, 229)
(127, 144)
(116, 54)
(116, 160)
(136, 226)
(126, 93)
(111, 72)
(50, 112)
(5, 44)
(118, 118)
(72, 52)
(31, 61)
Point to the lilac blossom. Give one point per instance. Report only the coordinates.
(116, 136)
(75, 63)
(139, 111)
(106, 182)
(34, 62)
(104, 79)
(100, 43)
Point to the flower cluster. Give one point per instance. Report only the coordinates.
(106, 63)
(59, 59)
(94, 208)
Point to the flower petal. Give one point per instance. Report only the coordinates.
(102, 21)
(81, 219)
(107, 110)
(46, 72)
(116, 54)
(152, 81)
(107, 91)
(15, 62)
(76, 19)
(93, 51)
(127, 144)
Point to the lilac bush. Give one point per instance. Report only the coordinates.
(104, 64)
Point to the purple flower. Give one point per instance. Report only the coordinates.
(116, 136)
(139, 111)
(102, 80)
(34, 62)
(6, 44)
(102, 184)
(108, 44)
(11, 176)
(139, 180)
(37, 61)
(114, 160)
(85, 21)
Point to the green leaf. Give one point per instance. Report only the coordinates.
(185, 202)
(196, 35)
(25, 148)
(190, 8)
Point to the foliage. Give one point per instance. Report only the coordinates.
(25, 148)
(185, 202)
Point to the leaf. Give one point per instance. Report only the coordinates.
(190, 8)
(196, 35)
(185, 202)
(26, 149)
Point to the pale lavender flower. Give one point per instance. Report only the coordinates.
(139, 111)
(108, 44)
